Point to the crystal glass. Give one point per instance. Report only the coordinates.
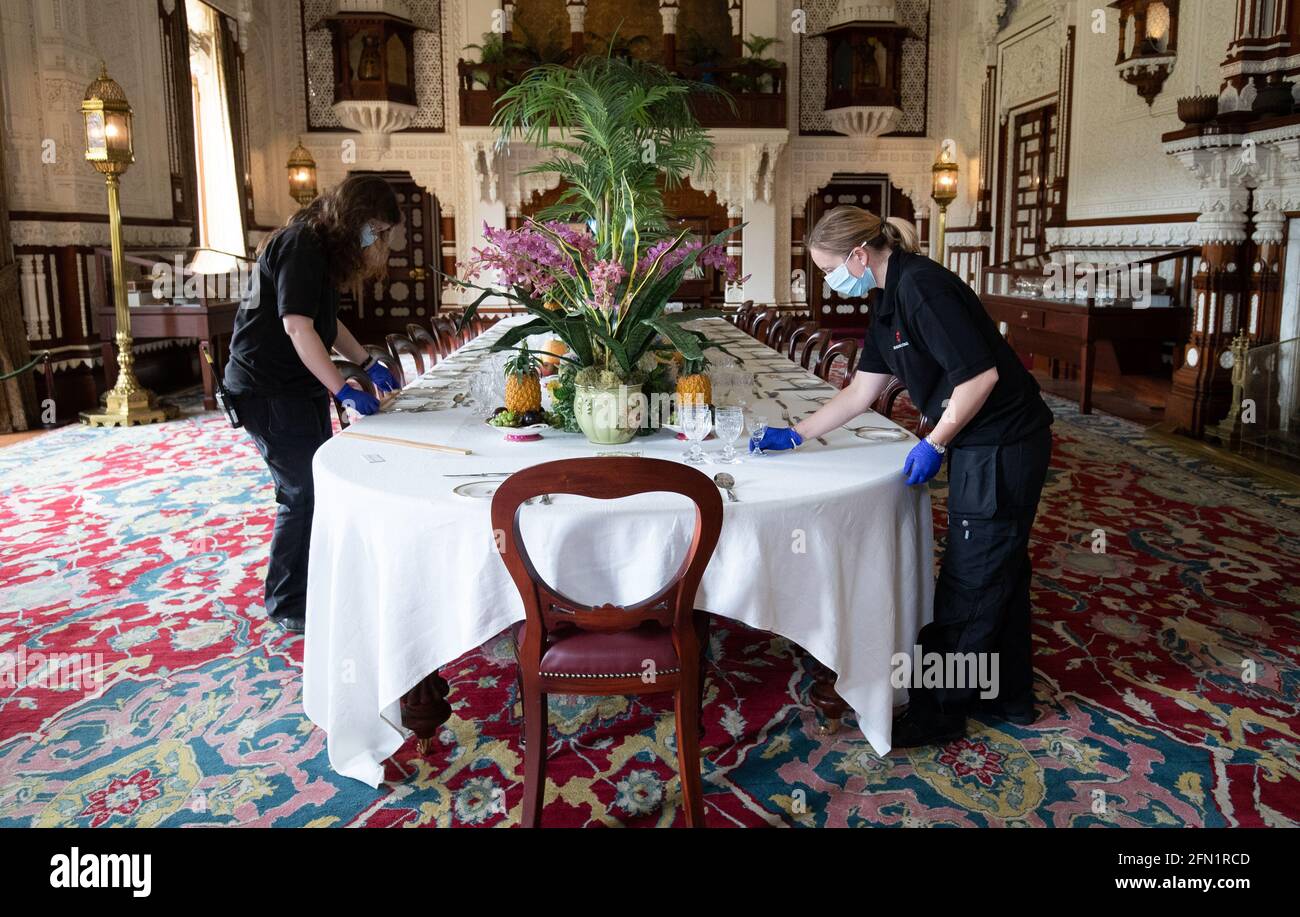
(481, 389)
(696, 421)
(746, 388)
(757, 427)
(729, 423)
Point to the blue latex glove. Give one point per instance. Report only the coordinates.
(357, 399)
(923, 463)
(775, 439)
(382, 378)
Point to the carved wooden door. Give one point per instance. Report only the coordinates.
(411, 291)
(871, 192)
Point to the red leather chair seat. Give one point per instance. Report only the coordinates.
(588, 654)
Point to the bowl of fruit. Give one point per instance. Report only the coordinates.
(522, 418)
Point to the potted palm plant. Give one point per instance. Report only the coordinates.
(597, 267)
(494, 57)
(758, 76)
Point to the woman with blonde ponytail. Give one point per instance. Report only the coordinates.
(929, 329)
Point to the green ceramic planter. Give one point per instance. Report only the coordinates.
(609, 416)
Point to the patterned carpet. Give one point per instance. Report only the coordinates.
(1168, 673)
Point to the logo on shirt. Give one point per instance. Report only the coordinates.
(899, 343)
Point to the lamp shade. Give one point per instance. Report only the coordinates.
(1148, 43)
(110, 146)
(943, 176)
(302, 175)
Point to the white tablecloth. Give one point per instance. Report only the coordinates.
(827, 547)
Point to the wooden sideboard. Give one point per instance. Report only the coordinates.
(1070, 331)
(208, 322)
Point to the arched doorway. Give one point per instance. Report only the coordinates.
(689, 208)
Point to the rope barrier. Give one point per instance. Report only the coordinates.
(18, 372)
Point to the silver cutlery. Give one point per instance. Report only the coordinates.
(726, 482)
(481, 474)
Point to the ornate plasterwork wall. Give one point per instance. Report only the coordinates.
(907, 161)
(50, 51)
(431, 158)
(1116, 166)
(1127, 235)
(1029, 65)
(957, 65)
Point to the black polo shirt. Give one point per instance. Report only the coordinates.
(292, 278)
(930, 330)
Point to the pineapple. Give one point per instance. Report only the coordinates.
(523, 385)
(693, 385)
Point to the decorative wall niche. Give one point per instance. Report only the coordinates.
(914, 74)
(430, 114)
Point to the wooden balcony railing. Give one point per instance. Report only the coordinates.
(759, 92)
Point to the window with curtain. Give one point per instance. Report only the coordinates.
(220, 215)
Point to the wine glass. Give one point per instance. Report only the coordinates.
(696, 420)
(729, 423)
(757, 427)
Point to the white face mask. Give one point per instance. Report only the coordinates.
(842, 281)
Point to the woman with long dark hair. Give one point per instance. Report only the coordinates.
(280, 375)
(930, 330)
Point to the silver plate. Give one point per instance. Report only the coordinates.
(476, 490)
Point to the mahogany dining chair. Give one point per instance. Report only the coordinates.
(885, 401)
(848, 349)
(798, 335)
(566, 647)
(817, 342)
(762, 322)
(779, 331)
(425, 341)
(444, 331)
(399, 345)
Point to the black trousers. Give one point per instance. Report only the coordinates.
(288, 431)
(981, 600)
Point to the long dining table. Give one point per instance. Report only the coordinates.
(825, 545)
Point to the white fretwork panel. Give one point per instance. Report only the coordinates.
(915, 14)
(428, 66)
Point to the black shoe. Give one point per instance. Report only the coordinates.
(1021, 714)
(295, 624)
(917, 727)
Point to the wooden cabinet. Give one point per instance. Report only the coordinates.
(1070, 331)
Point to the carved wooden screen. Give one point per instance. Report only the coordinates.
(1033, 164)
(410, 293)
